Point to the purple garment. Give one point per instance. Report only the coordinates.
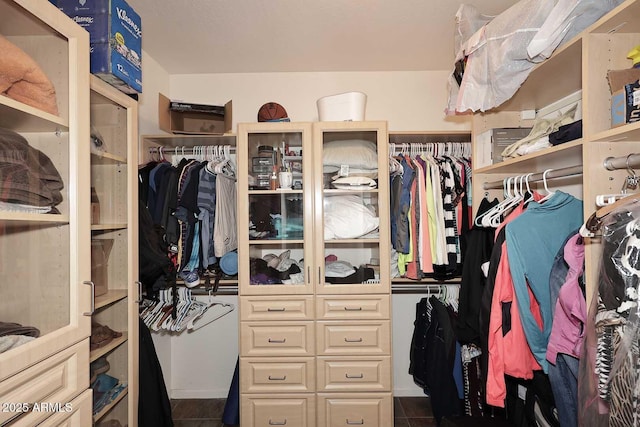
(571, 308)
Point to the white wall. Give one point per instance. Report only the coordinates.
(407, 100)
(200, 365)
(155, 79)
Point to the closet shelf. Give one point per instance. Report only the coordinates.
(620, 19)
(361, 241)
(222, 282)
(110, 297)
(275, 241)
(427, 137)
(107, 158)
(262, 192)
(563, 154)
(115, 343)
(174, 141)
(108, 227)
(24, 118)
(551, 80)
(111, 404)
(35, 218)
(340, 191)
(629, 132)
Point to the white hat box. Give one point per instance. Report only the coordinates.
(349, 106)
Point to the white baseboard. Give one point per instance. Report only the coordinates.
(199, 394)
(408, 392)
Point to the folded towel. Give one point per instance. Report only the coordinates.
(22, 79)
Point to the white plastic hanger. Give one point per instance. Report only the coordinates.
(493, 216)
(228, 308)
(496, 218)
(546, 187)
(480, 219)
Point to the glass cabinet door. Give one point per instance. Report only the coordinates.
(352, 207)
(44, 232)
(275, 205)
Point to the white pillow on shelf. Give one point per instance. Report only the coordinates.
(347, 217)
(356, 153)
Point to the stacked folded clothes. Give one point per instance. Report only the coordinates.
(29, 180)
(105, 390)
(13, 335)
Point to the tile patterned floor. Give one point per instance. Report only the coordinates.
(409, 412)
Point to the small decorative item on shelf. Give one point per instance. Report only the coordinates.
(285, 178)
(273, 180)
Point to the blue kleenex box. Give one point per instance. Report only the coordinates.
(115, 33)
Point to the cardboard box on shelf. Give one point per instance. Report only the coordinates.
(100, 251)
(492, 142)
(625, 105)
(95, 207)
(190, 122)
(115, 37)
(618, 78)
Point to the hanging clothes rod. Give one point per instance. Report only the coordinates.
(448, 147)
(396, 288)
(553, 173)
(185, 150)
(421, 288)
(627, 162)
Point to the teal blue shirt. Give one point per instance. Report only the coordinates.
(533, 239)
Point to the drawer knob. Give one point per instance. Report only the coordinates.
(277, 378)
(353, 339)
(353, 308)
(355, 423)
(278, 423)
(354, 376)
(276, 309)
(271, 340)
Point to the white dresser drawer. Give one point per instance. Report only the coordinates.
(277, 375)
(290, 410)
(366, 337)
(357, 373)
(278, 308)
(49, 384)
(352, 307)
(355, 409)
(276, 339)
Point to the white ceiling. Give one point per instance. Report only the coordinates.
(259, 36)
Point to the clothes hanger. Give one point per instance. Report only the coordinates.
(629, 183)
(594, 222)
(495, 219)
(549, 192)
(529, 192)
(228, 308)
(495, 214)
(157, 311)
(479, 220)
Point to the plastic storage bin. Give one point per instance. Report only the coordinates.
(349, 106)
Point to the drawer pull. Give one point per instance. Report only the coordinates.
(277, 341)
(354, 376)
(353, 308)
(278, 423)
(276, 309)
(352, 340)
(277, 378)
(355, 423)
